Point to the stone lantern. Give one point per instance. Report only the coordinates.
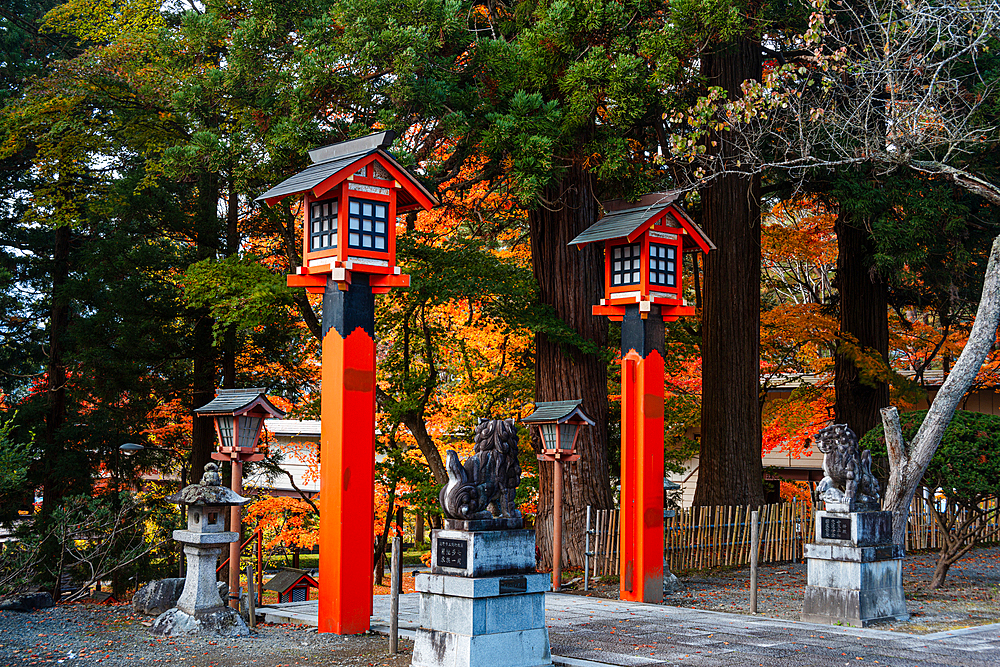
(200, 609)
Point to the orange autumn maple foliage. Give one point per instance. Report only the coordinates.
(284, 521)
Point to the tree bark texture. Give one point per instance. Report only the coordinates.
(571, 281)
(56, 468)
(864, 318)
(908, 463)
(730, 470)
(203, 351)
(230, 341)
(55, 483)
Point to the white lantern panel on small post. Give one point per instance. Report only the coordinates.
(224, 424)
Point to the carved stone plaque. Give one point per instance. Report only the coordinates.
(452, 553)
(510, 585)
(835, 528)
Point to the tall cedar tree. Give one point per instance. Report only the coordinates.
(730, 470)
(863, 307)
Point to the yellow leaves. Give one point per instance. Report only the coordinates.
(102, 21)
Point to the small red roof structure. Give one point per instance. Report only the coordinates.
(352, 193)
(291, 585)
(643, 245)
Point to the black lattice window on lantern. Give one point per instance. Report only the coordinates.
(626, 266)
(662, 265)
(368, 225)
(323, 225)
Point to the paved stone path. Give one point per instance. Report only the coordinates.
(584, 631)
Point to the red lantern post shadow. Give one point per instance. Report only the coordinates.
(351, 196)
(643, 281)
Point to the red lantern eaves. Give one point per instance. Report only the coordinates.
(352, 194)
(643, 245)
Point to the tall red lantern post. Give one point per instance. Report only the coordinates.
(643, 281)
(239, 417)
(351, 195)
(558, 425)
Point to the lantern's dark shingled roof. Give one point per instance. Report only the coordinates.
(328, 160)
(229, 401)
(287, 578)
(312, 176)
(618, 224)
(621, 220)
(556, 411)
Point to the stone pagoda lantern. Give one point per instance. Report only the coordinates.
(200, 609)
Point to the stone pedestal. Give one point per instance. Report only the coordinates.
(482, 603)
(200, 608)
(855, 571)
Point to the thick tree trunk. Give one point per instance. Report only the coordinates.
(203, 351)
(571, 281)
(864, 318)
(730, 470)
(56, 484)
(232, 247)
(908, 462)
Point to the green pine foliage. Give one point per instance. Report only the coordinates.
(966, 465)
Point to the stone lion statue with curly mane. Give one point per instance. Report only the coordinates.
(484, 486)
(847, 469)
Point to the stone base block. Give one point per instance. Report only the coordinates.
(856, 608)
(854, 575)
(526, 648)
(482, 553)
(222, 621)
(858, 554)
(481, 616)
(481, 587)
(846, 588)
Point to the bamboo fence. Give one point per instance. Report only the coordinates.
(704, 537)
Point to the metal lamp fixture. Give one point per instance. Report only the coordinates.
(239, 415)
(558, 425)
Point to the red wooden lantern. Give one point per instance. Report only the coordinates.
(643, 244)
(352, 194)
(558, 425)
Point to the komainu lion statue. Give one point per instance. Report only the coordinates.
(485, 485)
(848, 470)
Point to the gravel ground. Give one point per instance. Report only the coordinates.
(86, 635)
(970, 596)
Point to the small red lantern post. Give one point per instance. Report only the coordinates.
(351, 196)
(643, 281)
(558, 425)
(239, 417)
